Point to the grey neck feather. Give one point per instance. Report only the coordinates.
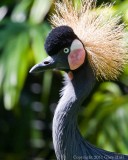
(67, 140)
(65, 132)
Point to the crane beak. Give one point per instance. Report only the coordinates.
(46, 64)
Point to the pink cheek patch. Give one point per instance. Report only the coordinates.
(76, 58)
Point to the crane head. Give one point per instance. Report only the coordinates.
(82, 34)
(65, 50)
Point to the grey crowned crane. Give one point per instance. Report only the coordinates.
(89, 47)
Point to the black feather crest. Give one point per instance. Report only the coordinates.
(59, 38)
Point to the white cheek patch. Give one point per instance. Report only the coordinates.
(76, 44)
(77, 55)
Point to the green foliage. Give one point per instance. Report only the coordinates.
(27, 101)
(106, 116)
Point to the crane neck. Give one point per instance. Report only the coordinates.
(83, 82)
(65, 131)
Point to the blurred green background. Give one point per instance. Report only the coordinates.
(27, 102)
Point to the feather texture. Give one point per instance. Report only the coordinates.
(103, 35)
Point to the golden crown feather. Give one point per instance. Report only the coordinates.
(102, 36)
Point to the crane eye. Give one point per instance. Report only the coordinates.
(66, 50)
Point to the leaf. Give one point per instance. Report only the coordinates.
(20, 10)
(105, 119)
(13, 83)
(39, 10)
(38, 40)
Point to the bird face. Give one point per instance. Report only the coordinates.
(65, 50)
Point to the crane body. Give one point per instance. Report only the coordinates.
(68, 142)
(86, 56)
(65, 129)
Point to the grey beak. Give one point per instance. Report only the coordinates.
(46, 64)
